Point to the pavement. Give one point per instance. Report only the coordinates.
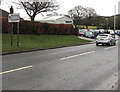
(85, 38)
(85, 67)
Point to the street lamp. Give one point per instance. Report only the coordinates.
(107, 23)
(114, 19)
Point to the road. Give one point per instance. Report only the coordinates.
(85, 67)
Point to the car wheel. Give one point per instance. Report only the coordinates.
(97, 44)
(110, 44)
(103, 44)
(114, 43)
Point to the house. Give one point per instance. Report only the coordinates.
(58, 19)
(3, 13)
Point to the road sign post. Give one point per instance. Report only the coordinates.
(11, 12)
(14, 18)
(11, 34)
(18, 43)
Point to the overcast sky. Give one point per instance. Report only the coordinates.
(102, 7)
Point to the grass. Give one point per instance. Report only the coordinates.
(30, 42)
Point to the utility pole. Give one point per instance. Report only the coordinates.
(114, 19)
(107, 23)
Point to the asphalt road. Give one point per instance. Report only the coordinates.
(85, 67)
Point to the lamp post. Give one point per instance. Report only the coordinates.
(114, 19)
(107, 23)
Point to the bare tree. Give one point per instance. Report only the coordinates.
(0, 1)
(34, 7)
(82, 12)
(77, 11)
(89, 12)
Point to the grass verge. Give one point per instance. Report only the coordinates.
(32, 42)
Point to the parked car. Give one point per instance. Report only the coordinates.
(82, 32)
(96, 33)
(111, 31)
(101, 30)
(118, 32)
(105, 39)
(89, 34)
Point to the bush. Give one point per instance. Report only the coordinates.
(5, 25)
(33, 27)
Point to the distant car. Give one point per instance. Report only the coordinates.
(111, 31)
(96, 33)
(118, 32)
(89, 34)
(105, 39)
(82, 32)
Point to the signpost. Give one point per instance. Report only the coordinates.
(14, 18)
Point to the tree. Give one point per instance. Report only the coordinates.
(89, 14)
(79, 14)
(34, 7)
(1, 1)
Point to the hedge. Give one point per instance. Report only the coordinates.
(33, 27)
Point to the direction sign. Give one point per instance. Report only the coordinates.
(15, 17)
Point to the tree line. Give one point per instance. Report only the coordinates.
(87, 16)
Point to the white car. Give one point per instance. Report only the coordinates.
(111, 31)
(105, 39)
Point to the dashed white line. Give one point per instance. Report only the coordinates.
(109, 47)
(14, 70)
(76, 55)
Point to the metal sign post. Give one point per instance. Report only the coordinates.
(12, 34)
(11, 12)
(14, 18)
(18, 43)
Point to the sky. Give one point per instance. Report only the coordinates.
(102, 7)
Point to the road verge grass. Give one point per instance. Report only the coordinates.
(33, 42)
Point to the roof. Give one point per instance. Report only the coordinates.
(54, 17)
(4, 13)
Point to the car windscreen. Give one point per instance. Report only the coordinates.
(88, 32)
(82, 31)
(102, 36)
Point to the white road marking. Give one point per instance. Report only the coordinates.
(76, 55)
(14, 70)
(109, 47)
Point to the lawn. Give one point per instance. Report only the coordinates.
(31, 42)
